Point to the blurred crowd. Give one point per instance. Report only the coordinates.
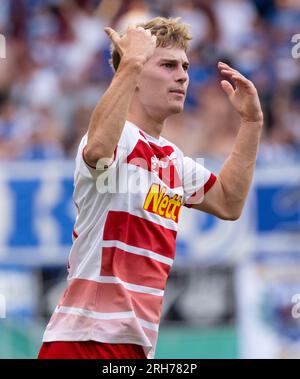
(56, 69)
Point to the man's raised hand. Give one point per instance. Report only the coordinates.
(135, 43)
(243, 97)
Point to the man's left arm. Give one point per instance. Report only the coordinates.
(227, 196)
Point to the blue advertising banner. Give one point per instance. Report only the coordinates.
(38, 215)
(37, 212)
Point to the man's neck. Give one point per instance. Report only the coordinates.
(147, 124)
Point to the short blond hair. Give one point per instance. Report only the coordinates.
(170, 32)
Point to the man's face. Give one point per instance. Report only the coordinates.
(163, 82)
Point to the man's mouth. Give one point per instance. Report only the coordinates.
(178, 91)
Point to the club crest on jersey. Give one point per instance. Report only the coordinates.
(159, 203)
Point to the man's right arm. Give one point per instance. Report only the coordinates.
(109, 116)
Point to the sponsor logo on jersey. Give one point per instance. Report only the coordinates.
(158, 202)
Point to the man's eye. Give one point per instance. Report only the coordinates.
(168, 65)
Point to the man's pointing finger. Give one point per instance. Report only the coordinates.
(112, 34)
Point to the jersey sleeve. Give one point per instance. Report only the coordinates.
(104, 165)
(86, 169)
(197, 180)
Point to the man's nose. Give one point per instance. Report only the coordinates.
(181, 75)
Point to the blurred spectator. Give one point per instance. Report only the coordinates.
(46, 136)
(14, 129)
(138, 11)
(201, 18)
(236, 22)
(56, 70)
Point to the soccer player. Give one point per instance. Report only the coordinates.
(130, 184)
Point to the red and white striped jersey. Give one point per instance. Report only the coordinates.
(124, 240)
